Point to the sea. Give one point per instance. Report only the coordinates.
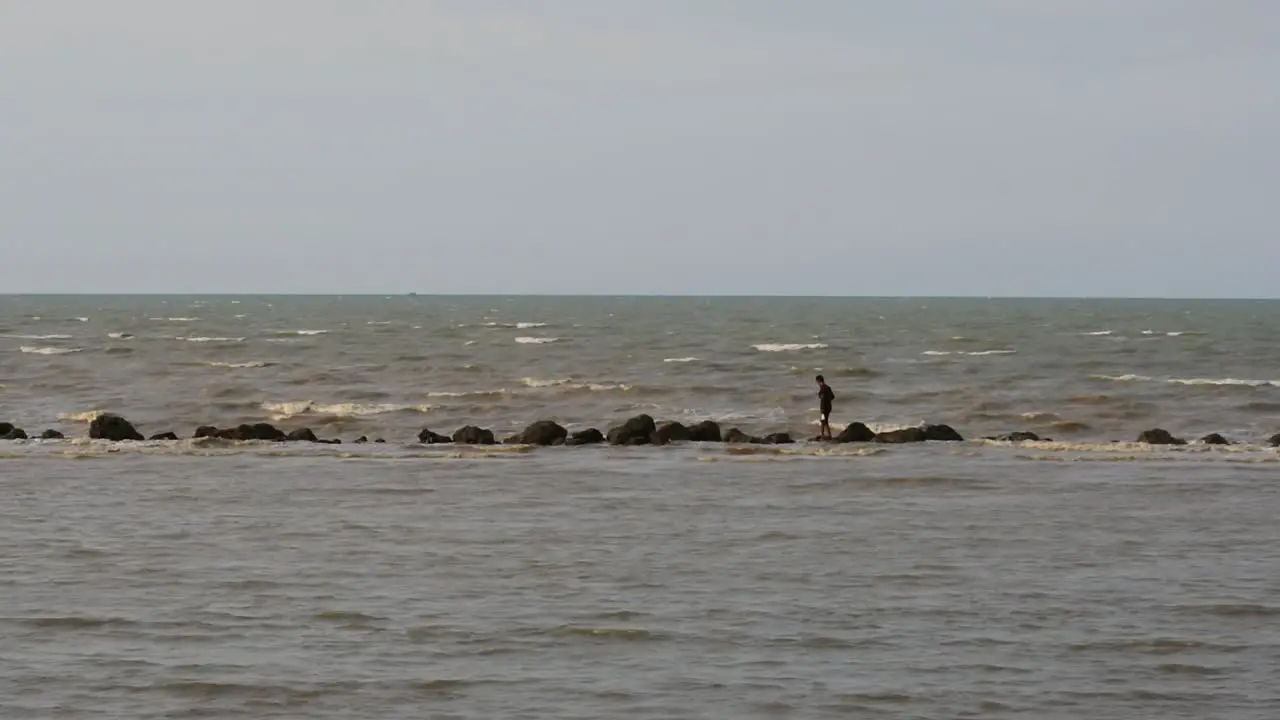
(1084, 575)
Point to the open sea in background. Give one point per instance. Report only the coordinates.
(1072, 578)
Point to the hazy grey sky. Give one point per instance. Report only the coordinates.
(831, 147)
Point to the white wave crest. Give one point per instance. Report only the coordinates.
(301, 332)
(34, 350)
(1124, 378)
(378, 322)
(120, 335)
(1099, 333)
(203, 339)
(87, 416)
(788, 347)
(1225, 381)
(240, 365)
(569, 383)
(175, 319)
(286, 410)
(525, 340)
(39, 337)
(83, 319)
(976, 353)
(528, 325)
(680, 360)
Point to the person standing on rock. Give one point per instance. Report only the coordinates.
(826, 396)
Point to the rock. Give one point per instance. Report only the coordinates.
(543, 432)
(472, 435)
(1274, 441)
(941, 433)
(426, 437)
(163, 436)
(1159, 436)
(904, 435)
(1214, 439)
(1015, 437)
(736, 436)
(331, 441)
(256, 431)
(855, 433)
(511, 439)
(361, 440)
(14, 434)
(638, 430)
(51, 435)
(206, 431)
(590, 436)
(114, 428)
(705, 431)
(6, 428)
(302, 435)
(670, 432)
(379, 440)
(778, 439)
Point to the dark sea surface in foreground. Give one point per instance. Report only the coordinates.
(1072, 578)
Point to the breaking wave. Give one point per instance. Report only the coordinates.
(120, 335)
(975, 353)
(285, 333)
(570, 383)
(39, 337)
(680, 360)
(204, 339)
(526, 340)
(32, 349)
(87, 416)
(286, 410)
(240, 365)
(789, 347)
(1230, 382)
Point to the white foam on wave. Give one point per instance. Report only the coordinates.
(526, 340)
(120, 335)
(680, 360)
(1229, 382)
(286, 410)
(528, 325)
(175, 319)
(1123, 378)
(83, 319)
(302, 332)
(240, 365)
(34, 350)
(975, 353)
(570, 383)
(469, 342)
(87, 416)
(378, 322)
(204, 339)
(788, 347)
(39, 337)
(1098, 333)
(241, 315)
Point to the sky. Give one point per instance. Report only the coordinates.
(756, 147)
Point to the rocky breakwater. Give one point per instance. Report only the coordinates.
(639, 430)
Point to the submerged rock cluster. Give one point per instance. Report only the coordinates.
(639, 430)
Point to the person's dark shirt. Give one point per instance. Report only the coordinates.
(825, 396)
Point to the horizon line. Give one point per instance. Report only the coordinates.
(705, 296)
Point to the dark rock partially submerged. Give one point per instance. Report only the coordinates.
(205, 431)
(164, 436)
(737, 437)
(472, 435)
(855, 433)
(638, 430)
(51, 435)
(302, 435)
(670, 432)
(543, 432)
(778, 439)
(14, 433)
(1274, 441)
(705, 431)
(426, 437)
(6, 428)
(590, 436)
(114, 428)
(1160, 436)
(926, 433)
(256, 431)
(1016, 437)
(1214, 439)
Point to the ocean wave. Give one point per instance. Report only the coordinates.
(35, 350)
(1098, 333)
(120, 335)
(240, 365)
(789, 347)
(570, 383)
(1174, 333)
(39, 337)
(175, 319)
(204, 339)
(378, 322)
(974, 353)
(82, 319)
(286, 410)
(1227, 382)
(526, 340)
(285, 333)
(680, 360)
(87, 416)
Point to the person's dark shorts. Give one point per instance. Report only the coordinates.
(826, 411)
